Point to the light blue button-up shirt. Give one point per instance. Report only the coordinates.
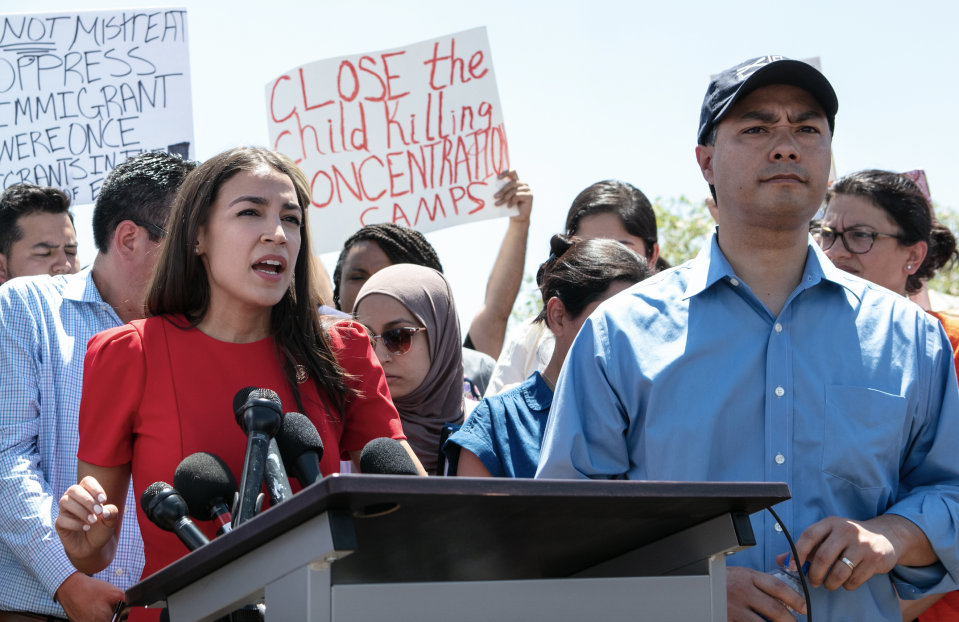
(45, 323)
(849, 396)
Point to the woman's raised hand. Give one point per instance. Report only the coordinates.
(515, 193)
(86, 523)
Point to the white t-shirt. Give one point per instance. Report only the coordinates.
(528, 349)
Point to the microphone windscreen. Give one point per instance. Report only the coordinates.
(385, 456)
(265, 394)
(201, 478)
(298, 435)
(151, 493)
(241, 397)
(245, 395)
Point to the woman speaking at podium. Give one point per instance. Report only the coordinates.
(232, 305)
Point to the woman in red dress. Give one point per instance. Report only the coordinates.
(232, 305)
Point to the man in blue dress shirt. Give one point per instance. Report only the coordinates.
(45, 323)
(760, 361)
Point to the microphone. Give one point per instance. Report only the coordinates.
(385, 456)
(301, 447)
(208, 486)
(241, 397)
(166, 509)
(277, 481)
(260, 418)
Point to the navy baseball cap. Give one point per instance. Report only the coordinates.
(737, 82)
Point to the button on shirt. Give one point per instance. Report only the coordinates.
(45, 323)
(679, 377)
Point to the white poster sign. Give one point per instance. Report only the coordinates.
(413, 136)
(80, 92)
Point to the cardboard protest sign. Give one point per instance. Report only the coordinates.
(413, 136)
(80, 92)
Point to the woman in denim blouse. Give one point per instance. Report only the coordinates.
(502, 437)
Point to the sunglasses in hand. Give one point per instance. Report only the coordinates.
(397, 340)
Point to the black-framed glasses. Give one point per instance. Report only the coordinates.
(398, 340)
(152, 228)
(856, 241)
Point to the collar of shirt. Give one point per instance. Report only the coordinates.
(537, 393)
(81, 288)
(711, 266)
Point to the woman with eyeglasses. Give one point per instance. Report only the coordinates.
(879, 226)
(411, 316)
(233, 304)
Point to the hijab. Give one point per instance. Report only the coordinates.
(439, 399)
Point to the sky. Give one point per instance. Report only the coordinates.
(591, 90)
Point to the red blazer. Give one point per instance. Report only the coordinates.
(154, 393)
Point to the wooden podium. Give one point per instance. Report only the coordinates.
(360, 548)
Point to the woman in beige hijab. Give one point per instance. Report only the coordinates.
(412, 319)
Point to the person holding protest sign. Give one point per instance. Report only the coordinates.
(45, 323)
(411, 316)
(761, 361)
(610, 209)
(376, 246)
(36, 232)
(232, 304)
(503, 435)
(879, 226)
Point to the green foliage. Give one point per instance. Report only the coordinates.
(947, 280)
(528, 302)
(684, 226)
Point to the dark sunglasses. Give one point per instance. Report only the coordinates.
(398, 340)
(152, 228)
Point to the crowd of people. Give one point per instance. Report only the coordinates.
(787, 350)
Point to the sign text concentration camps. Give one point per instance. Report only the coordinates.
(80, 92)
(413, 135)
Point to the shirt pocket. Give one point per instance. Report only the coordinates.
(862, 435)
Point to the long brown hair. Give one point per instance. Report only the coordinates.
(180, 285)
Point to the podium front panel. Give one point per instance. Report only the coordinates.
(412, 529)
